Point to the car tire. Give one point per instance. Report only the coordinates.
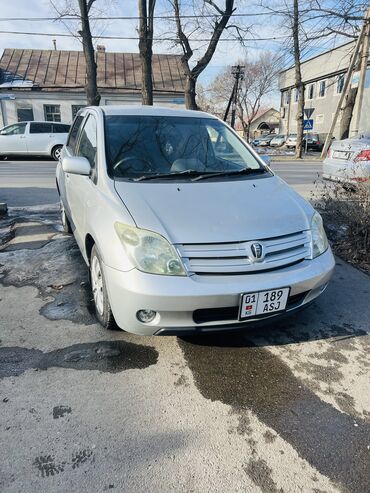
(103, 310)
(55, 153)
(67, 228)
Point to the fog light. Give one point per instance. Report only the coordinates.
(146, 316)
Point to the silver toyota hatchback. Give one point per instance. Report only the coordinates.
(183, 226)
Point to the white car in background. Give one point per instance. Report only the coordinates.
(348, 160)
(278, 141)
(33, 139)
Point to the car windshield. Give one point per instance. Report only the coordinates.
(140, 147)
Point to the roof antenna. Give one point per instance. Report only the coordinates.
(55, 44)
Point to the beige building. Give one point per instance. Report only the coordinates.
(323, 77)
(49, 85)
(265, 123)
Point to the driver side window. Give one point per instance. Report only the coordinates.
(87, 144)
(17, 129)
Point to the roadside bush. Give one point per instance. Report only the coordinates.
(346, 212)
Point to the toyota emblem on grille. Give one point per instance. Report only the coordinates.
(257, 251)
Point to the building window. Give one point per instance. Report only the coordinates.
(76, 108)
(52, 112)
(340, 83)
(311, 91)
(25, 114)
(322, 88)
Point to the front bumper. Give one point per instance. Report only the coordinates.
(176, 298)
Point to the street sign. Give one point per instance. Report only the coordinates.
(307, 124)
(308, 112)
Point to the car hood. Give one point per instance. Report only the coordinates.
(211, 212)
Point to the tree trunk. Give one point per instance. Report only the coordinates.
(298, 81)
(346, 118)
(146, 51)
(92, 93)
(190, 94)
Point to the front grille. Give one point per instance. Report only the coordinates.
(231, 313)
(236, 258)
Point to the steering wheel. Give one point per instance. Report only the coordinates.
(127, 159)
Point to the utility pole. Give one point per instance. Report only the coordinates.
(347, 82)
(363, 68)
(238, 73)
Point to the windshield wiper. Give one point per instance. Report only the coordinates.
(243, 171)
(186, 172)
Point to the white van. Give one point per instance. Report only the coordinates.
(33, 139)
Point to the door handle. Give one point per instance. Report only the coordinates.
(23, 137)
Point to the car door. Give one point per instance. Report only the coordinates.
(39, 138)
(13, 139)
(80, 189)
(68, 150)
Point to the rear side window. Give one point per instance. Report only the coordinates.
(61, 129)
(72, 138)
(40, 128)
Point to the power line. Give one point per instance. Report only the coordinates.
(159, 17)
(136, 38)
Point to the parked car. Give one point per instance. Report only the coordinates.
(183, 226)
(348, 160)
(313, 141)
(291, 141)
(265, 140)
(33, 139)
(278, 141)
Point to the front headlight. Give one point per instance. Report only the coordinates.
(149, 252)
(319, 239)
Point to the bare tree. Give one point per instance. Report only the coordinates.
(222, 17)
(83, 14)
(92, 92)
(146, 30)
(260, 80)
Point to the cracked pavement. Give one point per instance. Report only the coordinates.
(283, 408)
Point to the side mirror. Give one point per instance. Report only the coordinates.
(76, 165)
(266, 159)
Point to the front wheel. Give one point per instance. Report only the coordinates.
(56, 152)
(103, 310)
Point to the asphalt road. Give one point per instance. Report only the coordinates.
(284, 408)
(26, 183)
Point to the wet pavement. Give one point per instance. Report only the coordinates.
(283, 408)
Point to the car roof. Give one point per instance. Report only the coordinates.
(152, 111)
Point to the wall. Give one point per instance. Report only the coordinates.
(66, 100)
(327, 66)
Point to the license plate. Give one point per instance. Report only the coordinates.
(342, 155)
(263, 302)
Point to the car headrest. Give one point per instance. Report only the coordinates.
(185, 164)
